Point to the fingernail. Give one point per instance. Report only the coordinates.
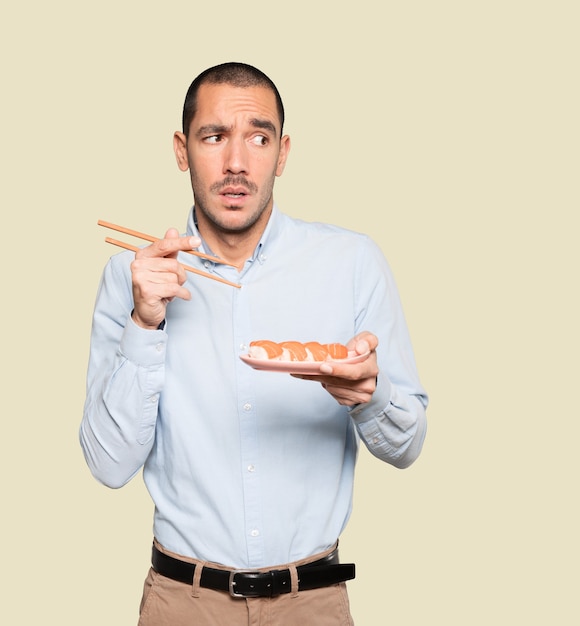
(194, 242)
(325, 368)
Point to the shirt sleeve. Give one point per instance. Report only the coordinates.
(393, 424)
(392, 429)
(125, 377)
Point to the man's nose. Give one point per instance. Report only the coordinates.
(236, 157)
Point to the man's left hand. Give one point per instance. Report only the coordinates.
(351, 383)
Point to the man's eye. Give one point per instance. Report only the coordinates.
(213, 139)
(260, 140)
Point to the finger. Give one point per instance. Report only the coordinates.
(356, 395)
(345, 392)
(169, 246)
(334, 384)
(172, 233)
(158, 270)
(163, 280)
(351, 371)
(336, 373)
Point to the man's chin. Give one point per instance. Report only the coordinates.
(233, 217)
(236, 222)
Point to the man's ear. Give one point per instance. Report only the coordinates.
(180, 149)
(284, 151)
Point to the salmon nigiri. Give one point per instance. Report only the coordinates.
(293, 351)
(336, 350)
(264, 349)
(316, 350)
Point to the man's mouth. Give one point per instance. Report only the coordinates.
(234, 192)
(234, 187)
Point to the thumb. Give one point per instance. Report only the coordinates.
(363, 342)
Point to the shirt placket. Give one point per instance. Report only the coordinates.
(249, 436)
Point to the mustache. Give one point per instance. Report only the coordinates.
(234, 181)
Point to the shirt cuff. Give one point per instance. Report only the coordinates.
(378, 404)
(143, 347)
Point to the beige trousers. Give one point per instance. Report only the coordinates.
(168, 602)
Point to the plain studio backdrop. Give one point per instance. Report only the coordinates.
(449, 131)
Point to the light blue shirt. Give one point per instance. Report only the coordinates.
(250, 468)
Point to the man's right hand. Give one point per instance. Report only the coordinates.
(158, 277)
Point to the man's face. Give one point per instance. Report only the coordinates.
(234, 153)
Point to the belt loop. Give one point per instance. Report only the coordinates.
(293, 581)
(197, 578)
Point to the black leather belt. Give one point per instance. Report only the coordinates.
(254, 583)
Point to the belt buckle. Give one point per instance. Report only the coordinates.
(232, 583)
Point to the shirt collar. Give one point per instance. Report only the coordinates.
(270, 234)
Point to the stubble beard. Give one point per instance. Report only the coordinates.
(220, 223)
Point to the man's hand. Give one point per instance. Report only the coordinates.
(158, 278)
(353, 383)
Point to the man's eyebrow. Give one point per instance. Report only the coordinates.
(263, 124)
(212, 129)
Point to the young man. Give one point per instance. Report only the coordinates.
(249, 470)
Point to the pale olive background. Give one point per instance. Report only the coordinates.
(447, 130)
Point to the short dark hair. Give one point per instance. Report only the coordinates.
(236, 74)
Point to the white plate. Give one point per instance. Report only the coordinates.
(298, 367)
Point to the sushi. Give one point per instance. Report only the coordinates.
(297, 351)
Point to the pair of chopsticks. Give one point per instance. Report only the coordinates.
(188, 268)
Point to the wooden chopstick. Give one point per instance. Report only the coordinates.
(188, 268)
(136, 233)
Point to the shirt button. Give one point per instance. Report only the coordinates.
(251, 468)
(247, 406)
(153, 399)
(255, 533)
(207, 264)
(243, 347)
(159, 347)
(376, 440)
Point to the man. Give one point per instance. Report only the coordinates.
(249, 470)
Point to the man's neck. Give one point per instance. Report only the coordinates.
(233, 247)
